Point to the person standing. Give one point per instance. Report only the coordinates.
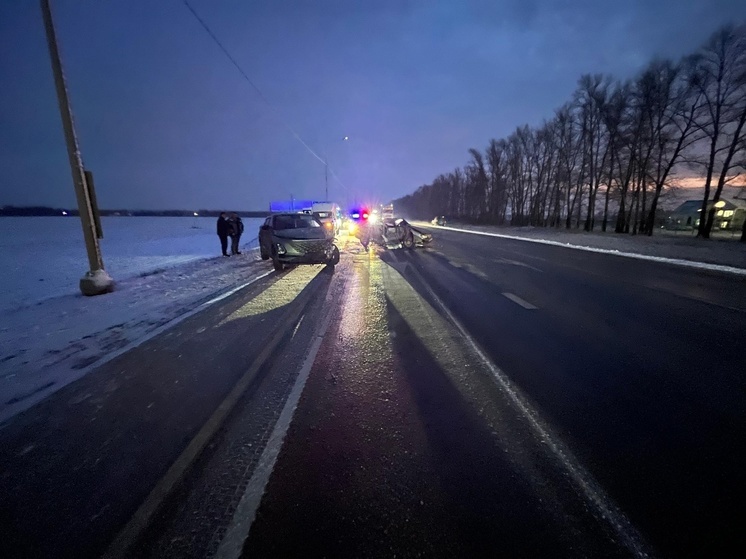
(223, 232)
(236, 232)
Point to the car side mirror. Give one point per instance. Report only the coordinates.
(264, 227)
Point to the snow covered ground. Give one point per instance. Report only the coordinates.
(164, 268)
(45, 257)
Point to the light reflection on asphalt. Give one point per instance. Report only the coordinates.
(283, 292)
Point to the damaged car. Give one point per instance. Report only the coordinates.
(400, 231)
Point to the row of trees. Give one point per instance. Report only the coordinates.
(607, 155)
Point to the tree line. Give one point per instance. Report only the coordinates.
(606, 156)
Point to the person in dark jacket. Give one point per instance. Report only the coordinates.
(223, 232)
(236, 230)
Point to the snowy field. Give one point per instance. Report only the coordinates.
(50, 335)
(45, 257)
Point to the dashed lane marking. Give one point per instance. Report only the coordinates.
(516, 299)
(295, 330)
(604, 507)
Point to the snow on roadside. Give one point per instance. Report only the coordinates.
(44, 257)
(56, 341)
(715, 254)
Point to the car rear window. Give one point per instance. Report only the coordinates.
(299, 221)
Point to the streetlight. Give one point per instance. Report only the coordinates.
(96, 281)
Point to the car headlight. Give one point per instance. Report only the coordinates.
(351, 227)
(372, 218)
(280, 249)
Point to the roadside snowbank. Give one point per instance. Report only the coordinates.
(685, 250)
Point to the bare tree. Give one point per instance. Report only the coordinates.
(591, 98)
(625, 141)
(477, 185)
(670, 105)
(498, 188)
(719, 74)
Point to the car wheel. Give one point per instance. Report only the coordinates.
(278, 266)
(408, 241)
(334, 260)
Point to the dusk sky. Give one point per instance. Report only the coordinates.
(165, 121)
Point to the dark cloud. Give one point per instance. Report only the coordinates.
(166, 121)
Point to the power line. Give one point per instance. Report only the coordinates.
(259, 92)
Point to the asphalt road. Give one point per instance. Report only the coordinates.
(481, 397)
(637, 366)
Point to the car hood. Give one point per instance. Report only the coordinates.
(308, 233)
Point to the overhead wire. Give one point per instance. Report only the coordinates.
(277, 113)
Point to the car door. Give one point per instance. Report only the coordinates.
(265, 236)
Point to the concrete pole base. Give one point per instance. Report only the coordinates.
(96, 282)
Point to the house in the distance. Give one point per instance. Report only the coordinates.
(729, 215)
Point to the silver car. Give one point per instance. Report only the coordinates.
(296, 238)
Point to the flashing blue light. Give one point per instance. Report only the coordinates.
(290, 205)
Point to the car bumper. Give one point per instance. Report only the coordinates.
(304, 258)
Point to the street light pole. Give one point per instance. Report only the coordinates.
(326, 179)
(96, 281)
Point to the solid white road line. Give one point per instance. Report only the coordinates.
(234, 290)
(131, 533)
(606, 510)
(516, 299)
(661, 259)
(232, 544)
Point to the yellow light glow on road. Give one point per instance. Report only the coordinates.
(281, 293)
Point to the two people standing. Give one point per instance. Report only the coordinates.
(229, 225)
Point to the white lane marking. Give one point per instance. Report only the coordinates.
(516, 299)
(295, 330)
(522, 264)
(477, 272)
(661, 259)
(606, 510)
(232, 544)
(234, 290)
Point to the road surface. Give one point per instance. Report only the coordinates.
(481, 397)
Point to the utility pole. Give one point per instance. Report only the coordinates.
(96, 281)
(326, 179)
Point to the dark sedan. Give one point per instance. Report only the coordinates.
(296, 238)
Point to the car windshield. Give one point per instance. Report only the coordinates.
(323, 215)
(300, 221)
